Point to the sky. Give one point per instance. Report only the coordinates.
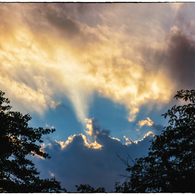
(101, 74)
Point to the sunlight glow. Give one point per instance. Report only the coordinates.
(89, 126)
(98, 65)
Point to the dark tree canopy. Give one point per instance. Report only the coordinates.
(170, 164)
(86, 188)
(17, 140)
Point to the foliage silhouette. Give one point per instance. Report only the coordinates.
(17, 140)
(86, 188)
(170, 164)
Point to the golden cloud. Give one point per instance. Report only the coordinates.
(87, 143)
(93, 145)
(114, 138)
(24, 93)
(94, 60)
(129, 141)
(146, 135)
(147, 122)
(64, 144)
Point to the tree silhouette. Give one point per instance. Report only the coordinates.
(86, 188)
(170, 164)
(17, 140)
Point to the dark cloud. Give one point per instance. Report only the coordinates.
(63, 23)
(97, 130)
(83, 8)
(177, 59)
(76, 163)
(86, 13)
(185, 18)
(48, 21)
(47, 17)
(181, 55)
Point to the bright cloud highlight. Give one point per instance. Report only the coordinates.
(147, 122)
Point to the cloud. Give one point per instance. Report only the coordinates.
(64, 24)
(54, 41)
(175, 54)
(49, 126)
(147, 122)
(62, 49)
(93, 128)
(81, 161)
(181, 58)
(52, 174)
(54, 104)
(176, 6)
(129, 141)
(86, 141)
(133, 114)
(25, 93)
(89, 126)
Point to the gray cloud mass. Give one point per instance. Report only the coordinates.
(77, 164)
